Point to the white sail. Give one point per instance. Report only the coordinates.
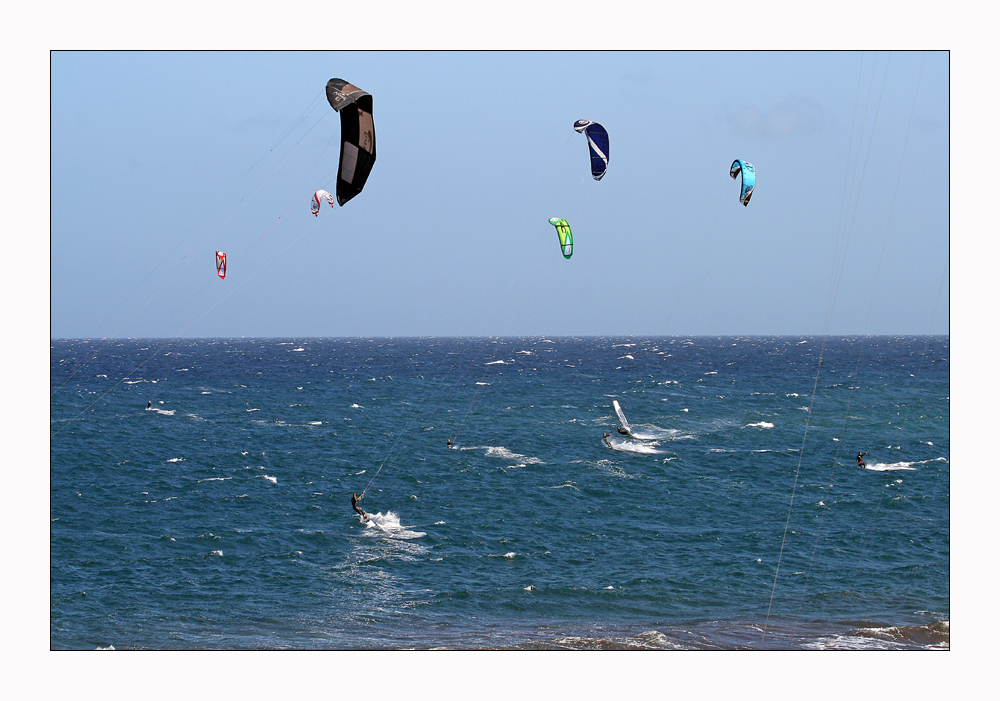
(621, 416)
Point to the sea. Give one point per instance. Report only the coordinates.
(201, 494)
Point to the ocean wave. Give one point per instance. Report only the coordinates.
(935, 635)
(633, 447)
(389, 524)
(883, 467)
(498, 451)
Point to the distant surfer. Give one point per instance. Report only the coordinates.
(451, 443)
(149, 404)
(861, 463)
(354, 504)
(621, 430)
(606, 441)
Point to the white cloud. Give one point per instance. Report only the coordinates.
(792, 117)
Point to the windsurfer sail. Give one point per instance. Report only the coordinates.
(624, 428)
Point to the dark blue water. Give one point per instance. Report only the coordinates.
(735, 518)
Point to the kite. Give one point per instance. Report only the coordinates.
(565, 235)
(597, 140)
(220, 264)
(357, 137)
(748, 177)
(318, 199)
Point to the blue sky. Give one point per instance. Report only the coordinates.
(159, 159)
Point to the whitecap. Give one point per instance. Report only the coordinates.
(760, 424)
(501, 452)
(272, 480)
(497, 362)
(217, 553)
(390, 525)
(175, 459)
(883, 467)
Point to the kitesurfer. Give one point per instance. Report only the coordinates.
(606, 441)
(861, 462)
(149, 404)
(451, 443)
(354, 504)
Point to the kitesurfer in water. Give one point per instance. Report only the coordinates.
(354, 504)
(451, 443)
(606, 441)
(861, 463)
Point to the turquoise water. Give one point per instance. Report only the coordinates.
(737, 517)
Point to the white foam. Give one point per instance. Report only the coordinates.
(500, 452)
(483, 383)
(883, 467)
(497, 362)
(315, 423)
(175, 459)
(566, 485)
(648, 432)
(272, 480)
(217, 553)
(760, 424)
(388, 523)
